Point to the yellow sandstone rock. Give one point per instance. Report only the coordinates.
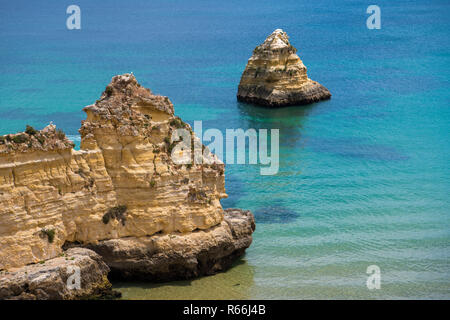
(122, 183)
(275, 76)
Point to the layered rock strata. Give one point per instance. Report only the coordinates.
(52, 279)
(178, 256)
(275, 76)
(121, 184)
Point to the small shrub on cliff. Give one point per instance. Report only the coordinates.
(21, 138)
(152, 183)
(109, 91)
(106, 218)
(50, 233)
(118, 213)
(177, 123)
(60, 134)
(2, 140)
(30, 130)
(171, 146)
(197, 195)
(41, 139)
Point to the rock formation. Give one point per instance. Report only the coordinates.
(166, 257)
(275, 76)
(122, 184)
(48, 280)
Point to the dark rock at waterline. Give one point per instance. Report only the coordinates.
(160, 257)
(275, 214)
(165, 257)
(258, 94)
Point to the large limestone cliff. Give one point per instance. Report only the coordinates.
(275, 76)
(121, 184)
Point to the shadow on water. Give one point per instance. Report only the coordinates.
(236, 283)
(176, 283)
(258, 117)
(289, 120)
(356, 148)
(275, 213)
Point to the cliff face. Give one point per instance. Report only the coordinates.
(46, 199)
(275, 76)
(122, 183)
(165, 257)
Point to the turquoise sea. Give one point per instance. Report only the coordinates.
(364, 178)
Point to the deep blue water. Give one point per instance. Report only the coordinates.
(364, 177)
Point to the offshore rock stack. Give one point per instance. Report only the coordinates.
(276, 77)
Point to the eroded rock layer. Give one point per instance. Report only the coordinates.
(275, 76)
(166, 257)
(52, 279)
(121, 184)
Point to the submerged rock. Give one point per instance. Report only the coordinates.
(48, 279)
(275, 76)
(164, 257)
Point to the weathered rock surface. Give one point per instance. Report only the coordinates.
(165, 257)
(49, 280)
(121, 195)
(122, 183)
(275, 76)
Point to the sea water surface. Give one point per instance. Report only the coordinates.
(364, 178)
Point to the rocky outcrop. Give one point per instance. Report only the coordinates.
(275, 76)
(175, 256)
(55, 278)
(124, 168)
(122, 185)
(48, 140)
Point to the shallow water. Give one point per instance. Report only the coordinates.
(363, 178)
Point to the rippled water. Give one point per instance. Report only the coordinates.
(363, 178)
